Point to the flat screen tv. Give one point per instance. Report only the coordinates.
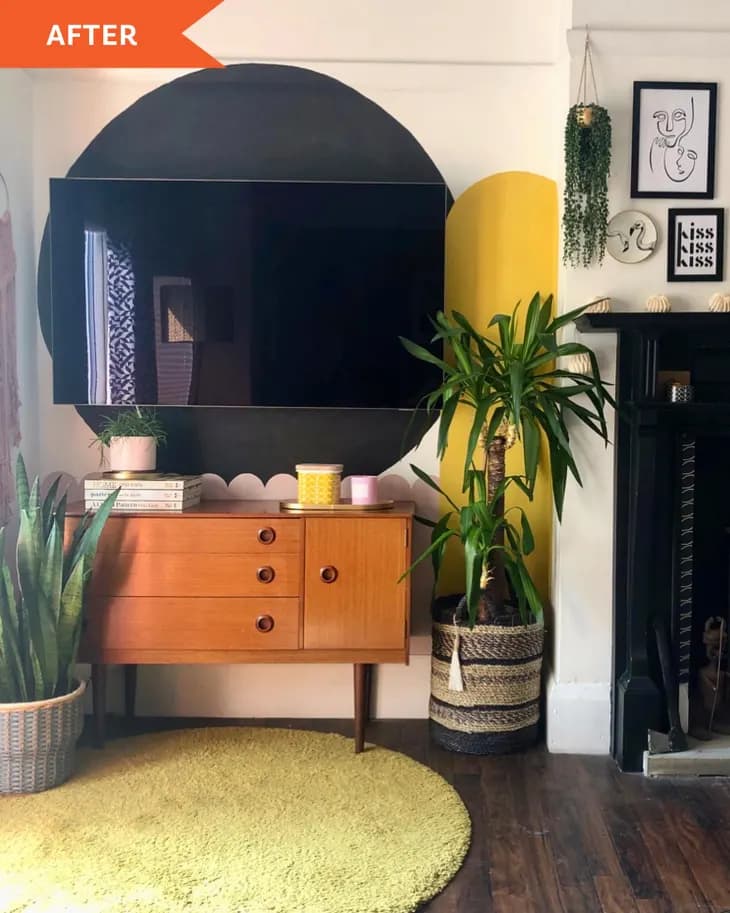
(244, 293)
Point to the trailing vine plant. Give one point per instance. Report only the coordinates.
(587, 166)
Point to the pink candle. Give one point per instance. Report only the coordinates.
(364, 489)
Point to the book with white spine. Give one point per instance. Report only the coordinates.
(170, 506)
(154, 481)
(144, 494)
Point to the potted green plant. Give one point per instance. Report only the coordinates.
(587, 167)
(585, 197)
(41, 704)
(132, 437)
(518, 395)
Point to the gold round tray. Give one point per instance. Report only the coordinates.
(341, 505)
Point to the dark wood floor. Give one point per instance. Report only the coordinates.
(562, 833)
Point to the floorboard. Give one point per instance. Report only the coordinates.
(558, 833)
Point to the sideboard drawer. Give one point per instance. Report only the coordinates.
(149, 574)
(185, 623)
(190, 534)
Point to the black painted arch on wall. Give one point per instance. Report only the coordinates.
(259, 122)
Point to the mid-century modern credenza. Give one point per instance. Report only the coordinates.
(244, 581)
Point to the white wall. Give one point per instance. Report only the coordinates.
(16, 140)
(475, 83)
(579, 696)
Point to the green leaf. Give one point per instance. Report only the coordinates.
(462, 357)
(431, 484)
(22, 487)
(51, 578)
(34, 502)
(424, 355)
(447, 416)
(546, 313)
(564, 319)
(474, 557)
(517, 380)
(86, 546)
(12, 674)
(435, 544)
(70, 622)
(49, 502)
(39, 627)
(59, 515)
(532, 323)
(482, 343)
(528, 540)
(531, 444)
(477, 427)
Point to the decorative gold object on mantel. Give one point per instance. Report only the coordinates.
(658, 304)
(599, 305)
(719, 303)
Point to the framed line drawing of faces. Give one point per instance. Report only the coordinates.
(673, 140)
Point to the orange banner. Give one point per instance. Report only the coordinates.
(101, 33)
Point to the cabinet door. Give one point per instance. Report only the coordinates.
(352, 598)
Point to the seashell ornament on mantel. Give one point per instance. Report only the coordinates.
(580, 363)
(658, 304)
(719, 303)
(599, 305)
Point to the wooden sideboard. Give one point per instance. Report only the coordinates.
(243, 582)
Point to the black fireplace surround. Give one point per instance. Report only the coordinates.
(651, 442)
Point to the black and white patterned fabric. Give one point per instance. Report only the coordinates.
(120, 277)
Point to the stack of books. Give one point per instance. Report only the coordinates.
(153, 491)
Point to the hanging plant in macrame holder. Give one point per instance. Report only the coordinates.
(587, 166)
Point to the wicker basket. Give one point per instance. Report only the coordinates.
(38, 742)
(499, 709)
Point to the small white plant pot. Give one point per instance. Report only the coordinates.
(132, 454)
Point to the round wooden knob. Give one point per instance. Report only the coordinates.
(266, 535)
(328, 574)
(265, 574)
(264, 624)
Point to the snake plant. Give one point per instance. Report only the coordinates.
(509, 381)
(41, 620)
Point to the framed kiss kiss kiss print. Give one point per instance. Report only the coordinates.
(673, 140)
(696, 245)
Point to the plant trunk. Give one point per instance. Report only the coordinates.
(494, 580)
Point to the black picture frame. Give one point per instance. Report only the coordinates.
(670, 191)
(675, 217)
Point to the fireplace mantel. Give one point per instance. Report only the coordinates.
(650, 323)
(649, 434)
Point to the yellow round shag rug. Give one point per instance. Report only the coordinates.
(233, 820)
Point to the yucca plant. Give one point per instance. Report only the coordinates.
(512, 382)
(40, 623)
(488, 536)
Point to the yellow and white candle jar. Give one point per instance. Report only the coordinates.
(318, 483)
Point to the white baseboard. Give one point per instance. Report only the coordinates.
(578, 717)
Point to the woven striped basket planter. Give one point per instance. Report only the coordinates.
(38, 742)
(499, 709)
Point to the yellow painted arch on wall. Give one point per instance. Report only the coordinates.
(501, 247)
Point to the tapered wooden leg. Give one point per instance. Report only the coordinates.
(369, 669)
(130, 689)
(98, 686)
(362, 698)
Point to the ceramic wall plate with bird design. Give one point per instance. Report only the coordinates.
(630, 236)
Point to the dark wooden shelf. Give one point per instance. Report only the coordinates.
(644, 322)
